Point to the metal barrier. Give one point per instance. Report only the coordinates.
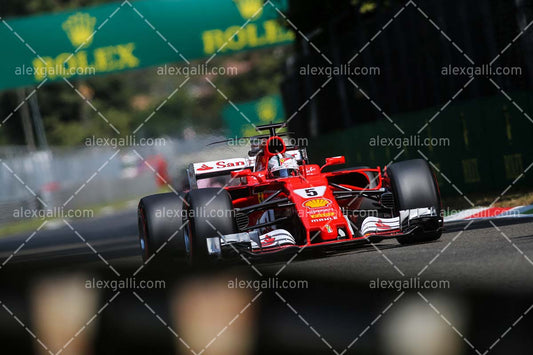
(81, 178)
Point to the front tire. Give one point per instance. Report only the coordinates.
(210, 214)
(414, 186)
(160, 226)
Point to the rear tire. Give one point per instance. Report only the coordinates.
(414, 186)
(210, 214)
(160, 223)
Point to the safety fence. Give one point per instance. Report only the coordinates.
(77, 178)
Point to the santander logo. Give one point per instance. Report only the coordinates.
(220, 165)
(269, 240)
(204, 167)
(381, 225)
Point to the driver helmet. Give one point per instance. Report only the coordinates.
(282, 165)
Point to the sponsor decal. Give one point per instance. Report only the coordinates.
(328, 228)
(252, 34)
(204, 167)
(317, 203)
(311, 192)
(267, 109)
(276, 238)
(323, 214)
(261, 196)
(380, 225)
(311, 169)
(221, 165)
(80, 29)
(321, 219)
(249, 8)
(267, 241)
(376, 225)
(225, 164)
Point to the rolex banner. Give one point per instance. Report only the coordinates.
(133, 34)
(240, 122)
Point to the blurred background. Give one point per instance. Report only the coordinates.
(104, 102)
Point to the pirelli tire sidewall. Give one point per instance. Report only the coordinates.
(160, 226)
(210, 215)
(414, 186)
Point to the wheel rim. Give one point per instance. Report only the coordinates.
(187, 241)
(142, 245)
(143, 238)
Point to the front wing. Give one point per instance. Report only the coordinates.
(372, 229)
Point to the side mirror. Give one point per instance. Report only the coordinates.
(334, 161)
(241, 173)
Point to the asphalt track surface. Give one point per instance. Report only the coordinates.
(483, 255)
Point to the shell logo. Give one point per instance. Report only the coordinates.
(317, 203)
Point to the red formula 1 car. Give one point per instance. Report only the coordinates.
(276, 200)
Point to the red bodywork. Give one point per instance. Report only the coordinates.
(311, 196)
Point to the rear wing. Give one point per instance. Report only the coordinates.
(214, 168)
(223, 167)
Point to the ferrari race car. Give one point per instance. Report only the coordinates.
(275, 200)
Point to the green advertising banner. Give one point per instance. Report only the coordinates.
(130, 35)
(239, 120)
(485, 149)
